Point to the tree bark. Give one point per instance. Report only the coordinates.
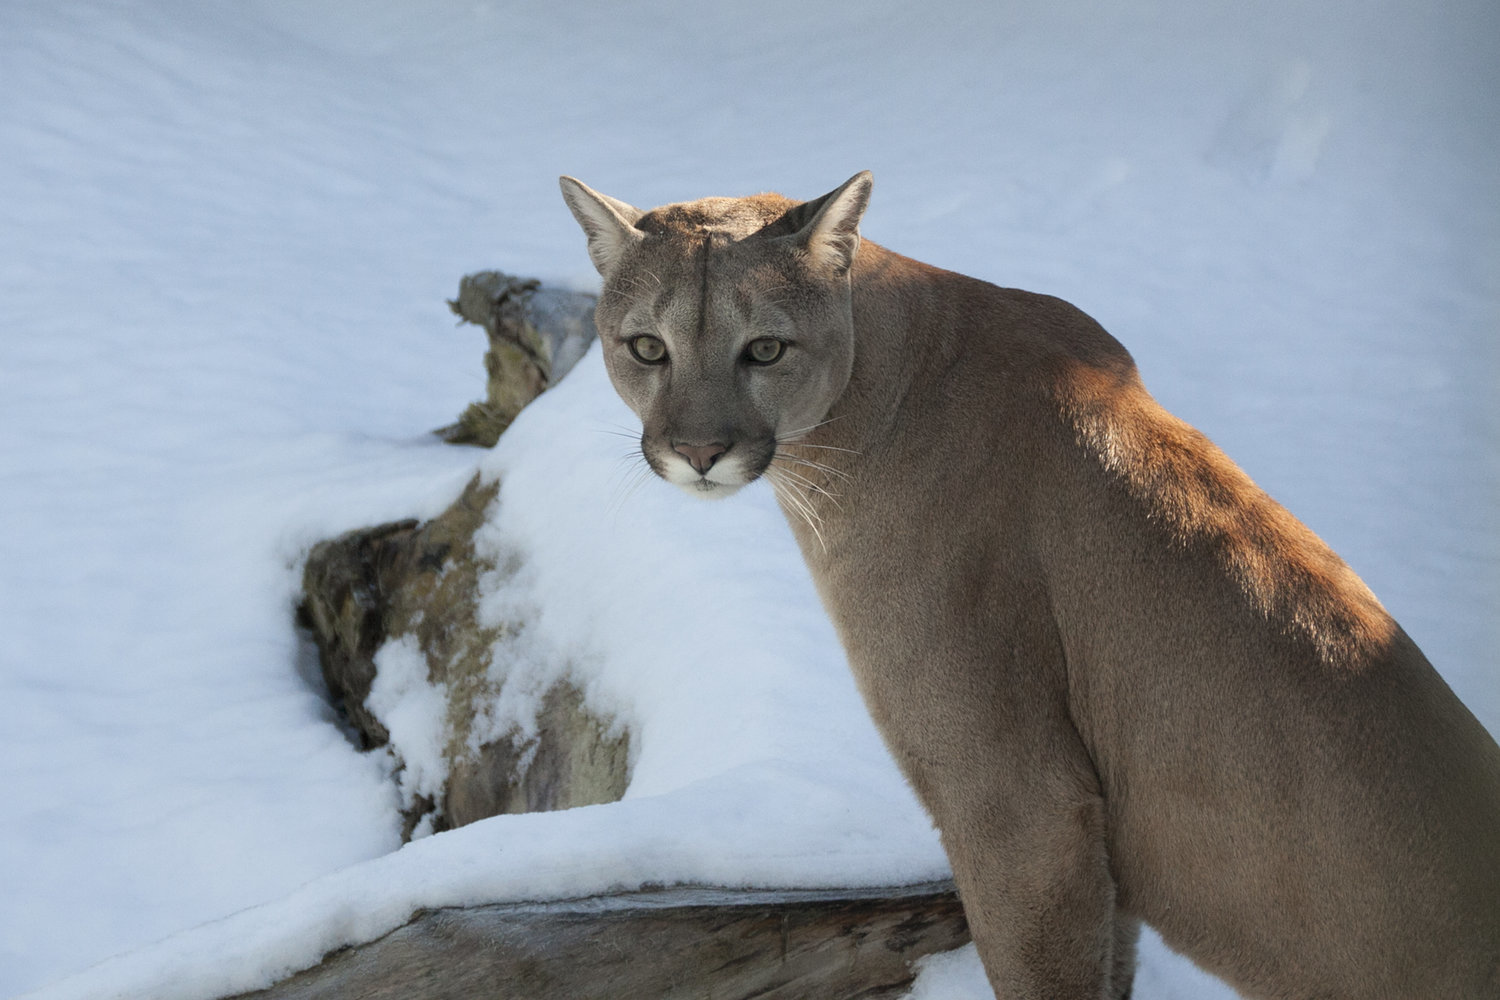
(669, 944)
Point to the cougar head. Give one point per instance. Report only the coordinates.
(726, 323)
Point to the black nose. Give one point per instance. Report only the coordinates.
(700, 456)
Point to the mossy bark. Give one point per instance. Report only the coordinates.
(421, 580)
(535, 336)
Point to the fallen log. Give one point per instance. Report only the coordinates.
(665, 944)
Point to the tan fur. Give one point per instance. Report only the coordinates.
(1126, 683)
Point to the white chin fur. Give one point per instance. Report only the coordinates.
(707, 489)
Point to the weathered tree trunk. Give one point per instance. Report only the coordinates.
(678, 944)
(406, 579)
(420, 582)
(535, 335)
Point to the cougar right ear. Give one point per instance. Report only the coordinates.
(608, 222)
(831, 237)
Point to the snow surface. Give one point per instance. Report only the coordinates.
(228, 228)
(414, 712)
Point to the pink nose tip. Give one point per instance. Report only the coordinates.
(700, 456)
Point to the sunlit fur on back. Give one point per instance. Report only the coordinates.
(1201, 498)
(1126, 683)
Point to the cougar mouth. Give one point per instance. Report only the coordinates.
(691, 469)
(708, 487)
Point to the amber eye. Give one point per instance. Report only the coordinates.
(765, 350)
(648, 350)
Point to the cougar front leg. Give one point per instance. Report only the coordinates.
(1127, 935)
(1036, 887)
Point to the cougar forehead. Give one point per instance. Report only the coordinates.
(712, 256)
(764, 215)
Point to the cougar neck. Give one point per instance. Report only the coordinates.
(825, 463)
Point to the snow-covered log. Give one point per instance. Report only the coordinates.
(406, 652)
(395, 612)
(673, 944)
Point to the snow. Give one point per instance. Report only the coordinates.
(228, 232)
(414, 712)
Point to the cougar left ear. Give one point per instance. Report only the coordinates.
(831, 237)
(608, 222)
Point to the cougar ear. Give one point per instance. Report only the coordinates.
(831, 236)
(608, 222)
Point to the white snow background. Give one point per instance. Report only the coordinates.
(226, 233)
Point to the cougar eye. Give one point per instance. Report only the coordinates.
(764, 350)
(648, 350)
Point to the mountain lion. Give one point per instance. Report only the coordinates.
(1127, 684)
